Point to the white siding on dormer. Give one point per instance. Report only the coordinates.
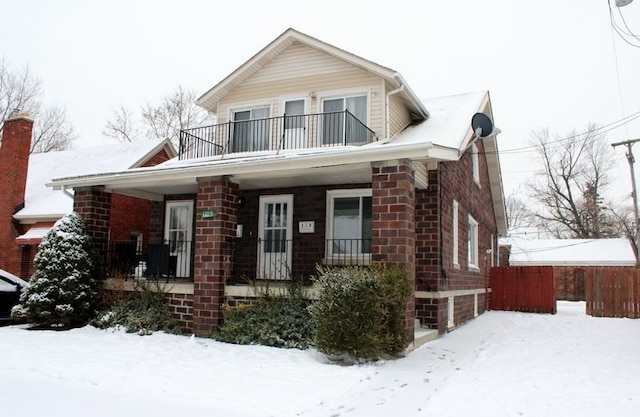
(399, 115)
(300, 71)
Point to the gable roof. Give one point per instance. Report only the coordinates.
(43, 203)
(570, 252)
(210, 99)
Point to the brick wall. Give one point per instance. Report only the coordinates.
(435, 270)
(213, 257)
(394, 224)
(181, 307)
(14, 163)
(94, 206)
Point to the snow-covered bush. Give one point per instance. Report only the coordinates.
(279, 319)
(359, 313)
(63, 290)
(144, 312)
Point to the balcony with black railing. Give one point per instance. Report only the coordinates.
(275, 134)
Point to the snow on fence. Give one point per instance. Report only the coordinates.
(613, 292)
(523, 288)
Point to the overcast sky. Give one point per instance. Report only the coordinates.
(546, 63)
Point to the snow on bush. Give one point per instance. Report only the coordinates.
(63, 290)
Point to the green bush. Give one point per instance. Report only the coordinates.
(360, 311)
(63, 291)
(271, 320)
(145, 312)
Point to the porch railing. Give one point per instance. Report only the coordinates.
(275, 133)
(285, 259)
(253, 259)
(168, 260)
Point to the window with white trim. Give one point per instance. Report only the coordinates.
(250, 130)
(349, 224)
(472, 241)
(475, 163)
(455, 234)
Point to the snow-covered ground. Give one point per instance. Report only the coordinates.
(501, 364)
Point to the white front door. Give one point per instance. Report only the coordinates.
(275, 232)
(178, 235)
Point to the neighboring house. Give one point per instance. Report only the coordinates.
(570, 259)
(320, 157)
(29, 208)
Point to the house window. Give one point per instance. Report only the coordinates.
(349, 225)
(455, 234)
(475, 163)
(340, 127)
(250, 130)
(472, 238)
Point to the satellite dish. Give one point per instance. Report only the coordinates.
(481, 124)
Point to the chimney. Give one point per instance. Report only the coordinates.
(14, 163)
(14, 156)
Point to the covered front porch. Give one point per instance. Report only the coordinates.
(216, 233)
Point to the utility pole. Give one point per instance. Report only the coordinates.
(634, 194)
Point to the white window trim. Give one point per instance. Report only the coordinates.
(331, 196)
(475, 163)
(455, 235)
(472, 243)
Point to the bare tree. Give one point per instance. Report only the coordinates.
(518, 214)
(575, 174)
(121, 126)
(175, 111)
(22, 90)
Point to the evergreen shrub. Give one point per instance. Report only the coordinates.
(63, 290)
(359, 313)
(145, 311)
(273, 319)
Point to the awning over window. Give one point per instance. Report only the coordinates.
(33, 236)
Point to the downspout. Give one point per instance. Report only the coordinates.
(66, 192)
(389, 94)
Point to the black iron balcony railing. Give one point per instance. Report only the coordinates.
(275, 133)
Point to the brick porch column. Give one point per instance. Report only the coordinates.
(394, 235)
(213, 256)
(94, 206)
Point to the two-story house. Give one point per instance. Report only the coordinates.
(319, 157)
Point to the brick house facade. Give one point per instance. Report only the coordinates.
(264, 199)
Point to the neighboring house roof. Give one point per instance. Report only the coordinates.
(210, 99)
(8, 282)
(44, 203)
(569, 252)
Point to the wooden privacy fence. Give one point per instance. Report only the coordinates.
(529, 289)
(613, 292)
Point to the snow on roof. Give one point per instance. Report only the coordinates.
(569, 252)
(34, 235)
(8, 281)
(449, 120)
(43, 202)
